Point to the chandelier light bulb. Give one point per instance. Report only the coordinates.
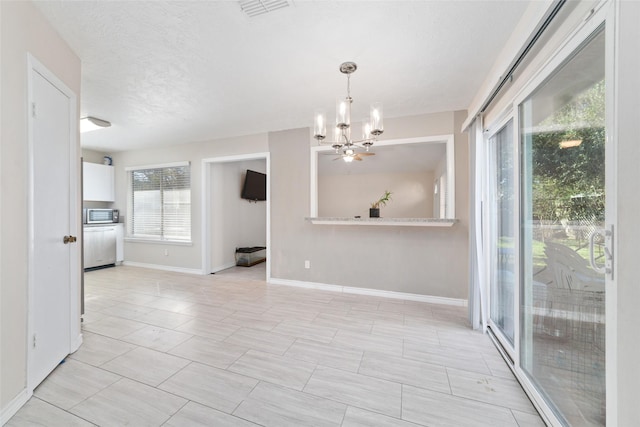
(376, 119)
(343, 113)
(320, 125)
(371, 128)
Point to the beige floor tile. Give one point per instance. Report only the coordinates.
(164, 319)
(324, 354)
(497, 365)
(208, 328)
(306, 330)
(368, 342)
(36, 413)
(207, 312)
(157, 338)
(252, 321)
(72, 382)
(92, 316)
(215, 353)
(281, 337)
(274, 406)
(97, 349)
(275, 369)
(126, 310)
(196, 415)
(343, 322)
(114, 327)
(146, 366)
(429, 407)
(356, 417)
(485, 388)
(356, 390)
(129, 403)
(405, 371)
(213, 387)
(527, 420)
(445, 356)
(170, 304)
(261, 340)
(416, 333)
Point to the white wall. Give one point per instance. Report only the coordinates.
(235, 222)
(23, 29)
(351, 195)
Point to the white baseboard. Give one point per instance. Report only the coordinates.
(14, 406)
(223, 267)
(371, 292)
(163, 267)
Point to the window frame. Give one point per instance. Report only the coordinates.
(161, 239)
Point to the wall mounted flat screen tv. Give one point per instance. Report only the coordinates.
(255, 186)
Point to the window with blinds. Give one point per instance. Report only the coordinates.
(160, 203)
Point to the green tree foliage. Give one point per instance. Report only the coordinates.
(568, 183)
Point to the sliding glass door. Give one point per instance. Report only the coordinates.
(503, 279)
(562, 212)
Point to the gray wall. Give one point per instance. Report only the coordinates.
(429, 261)
(386, 258)
(351, 195)
(179, 256)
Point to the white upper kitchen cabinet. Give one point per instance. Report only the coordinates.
(98, 182)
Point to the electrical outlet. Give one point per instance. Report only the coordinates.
(166, 252)
(307, 264)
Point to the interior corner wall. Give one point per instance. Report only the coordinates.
(235, 222)
(420, 260)
(23, 30)
(181, 257)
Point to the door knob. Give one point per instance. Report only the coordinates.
(69, 239)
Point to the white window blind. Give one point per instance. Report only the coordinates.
(160, 203)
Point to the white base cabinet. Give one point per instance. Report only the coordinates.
(99, 246)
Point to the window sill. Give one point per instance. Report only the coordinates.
(412, 222)
(159, 242)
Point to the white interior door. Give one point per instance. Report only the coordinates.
(51, 215)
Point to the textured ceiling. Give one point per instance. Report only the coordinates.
(405, 158)
(169, 72)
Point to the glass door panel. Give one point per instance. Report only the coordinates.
(562, 126)
(502, 204)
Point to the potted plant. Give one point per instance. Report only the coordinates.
(374, 212)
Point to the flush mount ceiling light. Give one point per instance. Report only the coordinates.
(87, 124)
(342, 143)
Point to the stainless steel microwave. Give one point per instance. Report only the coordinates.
(100, 216)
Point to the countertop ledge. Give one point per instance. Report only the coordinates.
(415, 222)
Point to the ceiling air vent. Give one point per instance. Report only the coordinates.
(259, 7)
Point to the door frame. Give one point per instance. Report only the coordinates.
(603, 14)
(512, 350)
(207, 203)
(75, 333)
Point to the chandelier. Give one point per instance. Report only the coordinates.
(342, 142)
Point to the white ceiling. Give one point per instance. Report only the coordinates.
(168, 72)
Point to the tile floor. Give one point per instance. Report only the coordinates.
(169, 349)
